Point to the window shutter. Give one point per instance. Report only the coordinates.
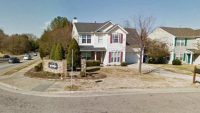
(175, 42)
(121, 56)
(109, 57)
(185, 41)
(111, 38)
(121, 38)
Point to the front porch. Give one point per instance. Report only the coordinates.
(91, 53)
(188, 56)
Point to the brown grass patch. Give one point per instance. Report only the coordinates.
(118, 71)
(182, 69)
(72, 88)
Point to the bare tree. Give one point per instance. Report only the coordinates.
(143, 26)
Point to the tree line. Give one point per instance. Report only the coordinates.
(57, 32)
(18, 43)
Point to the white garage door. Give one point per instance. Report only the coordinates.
(131, 57)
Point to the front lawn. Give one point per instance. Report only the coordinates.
(183, 69)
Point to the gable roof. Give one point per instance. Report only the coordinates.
(96, 27)
(106, 24)
(87, 27)
(131, 39)
(182, 32)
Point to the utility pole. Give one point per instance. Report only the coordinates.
(72, 68)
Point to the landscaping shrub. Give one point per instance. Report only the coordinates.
(76, 54)
(38, 67)
(52, 53)
(58, 54)
(90, 63)
(123, 64)
(42, 54)
(42, 74)
(151, 61)
(159, 60)
(176, 62)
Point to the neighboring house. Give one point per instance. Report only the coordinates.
(132, 46)
(105, 42)
(182, 43)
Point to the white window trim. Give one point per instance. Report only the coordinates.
(86, 38)
(118, 37)
(115, 57)
(181, 42)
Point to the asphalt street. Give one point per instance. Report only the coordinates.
(5, 66)
(125, 103)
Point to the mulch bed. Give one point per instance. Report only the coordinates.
(89, 75)
(47, 75)
(41, 74)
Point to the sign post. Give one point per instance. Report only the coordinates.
(72, 69)
(194, 75)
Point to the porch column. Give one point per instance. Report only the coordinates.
(95, 55)
(191, 58)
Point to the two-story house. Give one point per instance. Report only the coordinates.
(182, 43)
(105, 42)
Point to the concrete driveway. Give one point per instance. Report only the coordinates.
(161, 72)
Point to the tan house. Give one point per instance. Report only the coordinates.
(182, 43)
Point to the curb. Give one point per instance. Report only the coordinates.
(119, 92)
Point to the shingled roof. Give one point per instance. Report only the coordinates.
(95, 27)
(88, 27)
(182, 32)
(131, 39)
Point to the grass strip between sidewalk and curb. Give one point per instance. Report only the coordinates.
(19, 68)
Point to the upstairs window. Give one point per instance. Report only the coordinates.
(116, 38)
(180, 42)
(86, 39)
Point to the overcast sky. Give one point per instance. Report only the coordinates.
(31, 16)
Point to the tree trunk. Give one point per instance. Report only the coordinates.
(140, 62)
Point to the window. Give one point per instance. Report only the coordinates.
(115, 56)
(180, 42)
(100, 40)
(83, 38)
(116, 38)
(86, 38)
(86, 55)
